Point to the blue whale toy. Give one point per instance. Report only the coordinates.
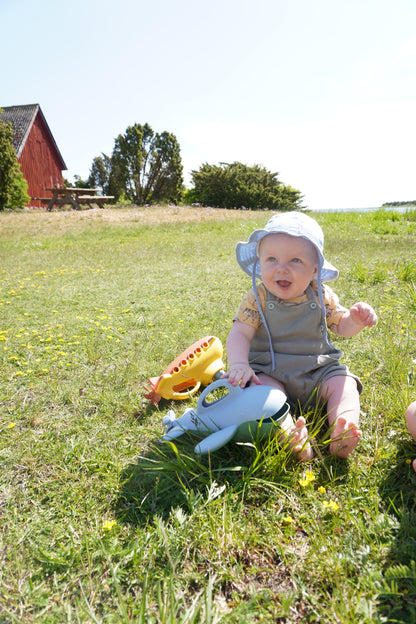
(241, 414)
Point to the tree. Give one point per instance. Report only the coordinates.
(100, 174)
(237, 185)
(80, 183)
(13, 186)
(144, 167)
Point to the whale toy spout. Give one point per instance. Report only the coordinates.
(241, 415)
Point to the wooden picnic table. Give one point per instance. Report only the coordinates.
(76, 197)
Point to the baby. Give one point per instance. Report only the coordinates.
(411, 423)
(279, 335)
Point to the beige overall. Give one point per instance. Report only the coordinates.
(304, 356)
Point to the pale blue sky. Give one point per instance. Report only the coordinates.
(323, 92)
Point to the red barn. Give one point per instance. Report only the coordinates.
(36, 150)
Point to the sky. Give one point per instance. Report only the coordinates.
(321, 92)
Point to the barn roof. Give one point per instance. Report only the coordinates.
(22, 119)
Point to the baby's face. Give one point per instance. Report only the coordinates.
(288, 264)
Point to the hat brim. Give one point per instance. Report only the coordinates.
(246, 253)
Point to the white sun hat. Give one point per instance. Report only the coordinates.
(293, 224)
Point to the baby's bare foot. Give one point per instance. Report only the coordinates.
(345, 437)
(298, 440)
(414, 464)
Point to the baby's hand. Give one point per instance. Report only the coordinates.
(241, 374)
(363, 314)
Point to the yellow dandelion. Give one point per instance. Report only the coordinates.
(308, 478)
(408, 461)
(11, 425)
(288, 520)
(109, 525)
(321, 489)
(330, 505)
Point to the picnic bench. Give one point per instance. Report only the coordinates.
(76, 197)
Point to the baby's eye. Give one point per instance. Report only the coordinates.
(271, 259)
(296, 260)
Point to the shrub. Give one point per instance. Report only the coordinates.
(13, 186)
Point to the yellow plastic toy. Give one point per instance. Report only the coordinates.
(200, 363)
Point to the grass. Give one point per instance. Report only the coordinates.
(99, 522)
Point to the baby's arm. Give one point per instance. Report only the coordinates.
(238, 347)
(355, 319)
(411, 419)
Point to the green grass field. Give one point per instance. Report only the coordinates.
(99, 522)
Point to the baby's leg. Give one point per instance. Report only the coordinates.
(411, 423)
(296, 433)
(343, 408)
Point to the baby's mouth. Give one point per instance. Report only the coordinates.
(283, 283)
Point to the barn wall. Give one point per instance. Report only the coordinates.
(40, 162)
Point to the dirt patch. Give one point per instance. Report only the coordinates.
(38, 220)
(266, 573)
(161, 214)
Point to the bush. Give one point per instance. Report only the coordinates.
(13, 186)
(18, 197)
(239, 186)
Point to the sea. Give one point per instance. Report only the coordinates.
(389, 208)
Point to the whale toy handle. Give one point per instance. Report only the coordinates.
(219, 383)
